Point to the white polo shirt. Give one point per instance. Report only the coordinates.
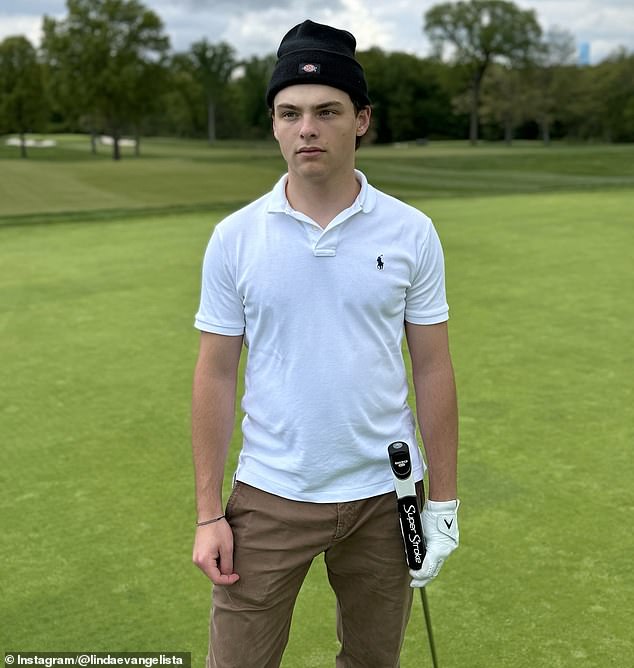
(322, 312)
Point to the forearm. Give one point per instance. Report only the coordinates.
(213, 415)
(437, 412)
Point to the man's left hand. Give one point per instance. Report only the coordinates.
(440, 529)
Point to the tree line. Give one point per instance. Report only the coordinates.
(107, 68)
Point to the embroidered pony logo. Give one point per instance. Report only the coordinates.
(379, 263)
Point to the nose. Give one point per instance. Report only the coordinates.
(308, 127)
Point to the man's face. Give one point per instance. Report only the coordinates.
(316, 127)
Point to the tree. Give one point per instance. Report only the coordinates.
(480, 32)
(504, 98)
(143, 82)
(251, 93)
(582, 116)
(107, 56)
(616, 92)
(408, 99)
(550, 78)
(65, 64)
(213, 66)
(22, 100)
(182, 113)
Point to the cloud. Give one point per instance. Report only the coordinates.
(259, 5)
(32, 8)
(259, 32)
(255, 27)
(29, 26)
(25, 17)
(603, 25)
(588, 20)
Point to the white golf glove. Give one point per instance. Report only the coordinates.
(440, 529)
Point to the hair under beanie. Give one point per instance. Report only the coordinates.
(313, 53)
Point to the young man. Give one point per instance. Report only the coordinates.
(320, 279)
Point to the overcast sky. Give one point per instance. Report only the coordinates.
(255, 27)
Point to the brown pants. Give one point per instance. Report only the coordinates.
(275, 541)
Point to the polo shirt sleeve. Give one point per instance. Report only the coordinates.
(425, 299)
(221, 310)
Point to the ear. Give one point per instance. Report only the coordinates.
(363, 120)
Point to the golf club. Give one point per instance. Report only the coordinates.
(410, 521)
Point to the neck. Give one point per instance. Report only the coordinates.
(322, 200)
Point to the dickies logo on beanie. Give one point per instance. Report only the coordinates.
(316, 53)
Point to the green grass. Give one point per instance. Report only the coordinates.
(183, 176)
(56, 183)
(97, 351)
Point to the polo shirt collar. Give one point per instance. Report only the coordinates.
(365, 201)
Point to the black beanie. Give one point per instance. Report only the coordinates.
(312, 53)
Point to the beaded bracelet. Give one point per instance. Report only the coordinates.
(216, 519)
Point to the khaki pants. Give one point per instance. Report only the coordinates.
(275, 541)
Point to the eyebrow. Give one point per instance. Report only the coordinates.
(317, 107)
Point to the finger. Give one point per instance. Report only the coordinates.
(420, 578)
(209, 565)
(431, 565)
(418, 582)
(215, 574)
(213, 570)
(226, 559)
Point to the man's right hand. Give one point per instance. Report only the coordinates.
(213, 552)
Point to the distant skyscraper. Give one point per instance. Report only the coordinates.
(584, 53)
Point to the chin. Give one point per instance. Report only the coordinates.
(312, 170)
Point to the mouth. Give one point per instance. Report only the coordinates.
(310, 150)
